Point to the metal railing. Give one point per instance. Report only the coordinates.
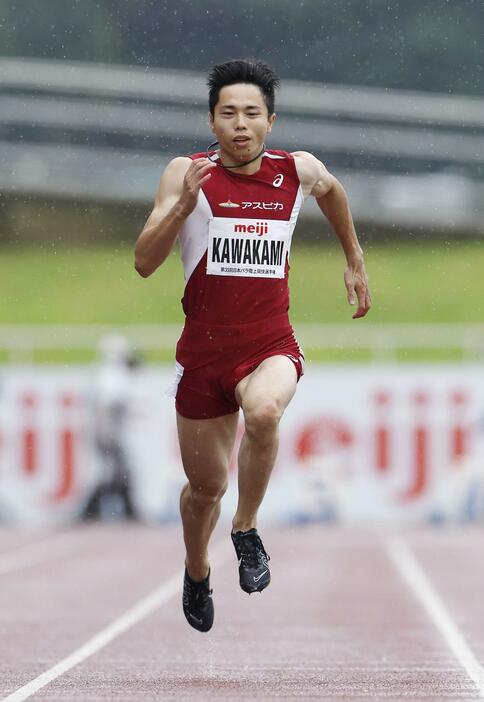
(176, 86)
(406, 158)
(382, 341)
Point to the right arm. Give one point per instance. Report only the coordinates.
(175, 200)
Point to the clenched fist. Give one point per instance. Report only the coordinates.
(197, 174)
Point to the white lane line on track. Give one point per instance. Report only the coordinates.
(412, 572)
(136, 614)
(36, 552)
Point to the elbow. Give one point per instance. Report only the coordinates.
(147, 264)
(143, 271)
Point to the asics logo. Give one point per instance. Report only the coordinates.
(256, 579)
(277, 182)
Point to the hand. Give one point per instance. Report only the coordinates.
(197, 174)
(356, 279)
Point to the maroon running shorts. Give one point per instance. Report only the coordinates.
(211, 359)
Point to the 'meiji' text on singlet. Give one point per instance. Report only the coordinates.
(235, 244)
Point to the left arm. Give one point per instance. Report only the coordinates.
(333, 203)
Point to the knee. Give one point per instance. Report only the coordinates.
(208, 493)
(263, 419)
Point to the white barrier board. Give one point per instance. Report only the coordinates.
(357, 442)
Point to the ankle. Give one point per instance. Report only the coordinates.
(197, 572)
(243, 525)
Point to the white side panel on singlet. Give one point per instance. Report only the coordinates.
(193, 236)
(294, 215)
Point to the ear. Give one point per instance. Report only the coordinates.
(210, 122)
(271, 120)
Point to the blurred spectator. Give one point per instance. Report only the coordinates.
(112, 405)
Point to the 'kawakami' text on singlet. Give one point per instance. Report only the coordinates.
(248, 247)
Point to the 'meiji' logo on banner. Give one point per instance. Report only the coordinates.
(258, 228)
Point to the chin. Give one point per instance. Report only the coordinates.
(237, 155)
(244, 153)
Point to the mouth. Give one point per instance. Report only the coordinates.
(241, 140)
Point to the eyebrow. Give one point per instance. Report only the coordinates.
(233, 107)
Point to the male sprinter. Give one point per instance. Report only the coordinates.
(233, 211)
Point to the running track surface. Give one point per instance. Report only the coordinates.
(351, 614)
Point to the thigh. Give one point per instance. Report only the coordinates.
(206, 446)
(199, 395)
(274, 380)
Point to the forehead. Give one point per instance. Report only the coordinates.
(241, 95)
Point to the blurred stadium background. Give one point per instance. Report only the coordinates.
(95, 99)
(387, 425)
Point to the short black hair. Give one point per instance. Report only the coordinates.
(243, 71)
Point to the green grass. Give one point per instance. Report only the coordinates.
(409, 283)
(438, 282)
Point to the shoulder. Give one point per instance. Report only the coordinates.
(276, 159)
(177, 165)
(278, 155)
(175, 170)
(281, 163)
(171, 181)
(315, 178)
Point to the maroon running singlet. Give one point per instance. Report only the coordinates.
(235, 250)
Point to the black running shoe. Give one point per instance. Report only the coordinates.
(254, 574)
(197, 602)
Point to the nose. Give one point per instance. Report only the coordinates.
(240, 121)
